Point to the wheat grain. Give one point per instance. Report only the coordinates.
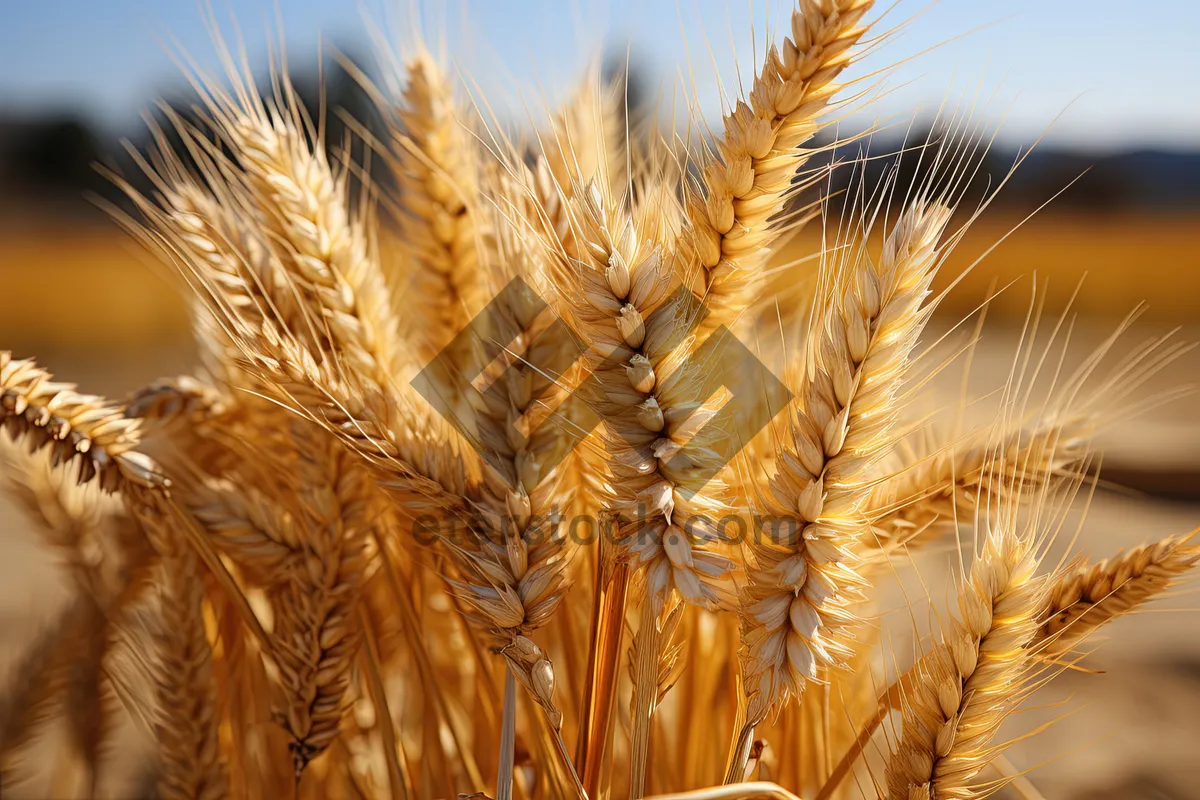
(74, 427)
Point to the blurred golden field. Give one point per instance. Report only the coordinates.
(95, 287)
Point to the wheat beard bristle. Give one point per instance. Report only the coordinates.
(951, 485)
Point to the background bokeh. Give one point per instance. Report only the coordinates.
(1109, 94)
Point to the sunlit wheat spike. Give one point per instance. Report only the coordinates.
(84, 429)
(1092, 595)
(733, 217)
(63, 510)
(326, 251)
(436, 165)
(255, 530)
(587, 137)
(317, 634)
(190, 761)
(522, 486)
(616, 295)
(206, 231)
(972, 680)
(948, 486)
(300, 293)
(618, 299)
(801, 568)
(108, 562)
(184, 400)
(324, 359)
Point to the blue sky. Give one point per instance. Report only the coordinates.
(1120, 74)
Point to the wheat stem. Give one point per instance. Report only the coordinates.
(735, 791)
(600, 696)
(508, 739)
(648, 647)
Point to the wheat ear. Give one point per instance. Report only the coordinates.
(1092, 595)
(82, 428)
(263, 333)
(587, 138)
(952, 483)
(436, 167)
(645, 393)
(256, 530)
(185, 400)
(762, 149)
(616, 295)
(108, 560)
(521, 492)
(317, 636)
(802, 575)
(967, 686)
(327, 254)
(190, 761)
(36, 682)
